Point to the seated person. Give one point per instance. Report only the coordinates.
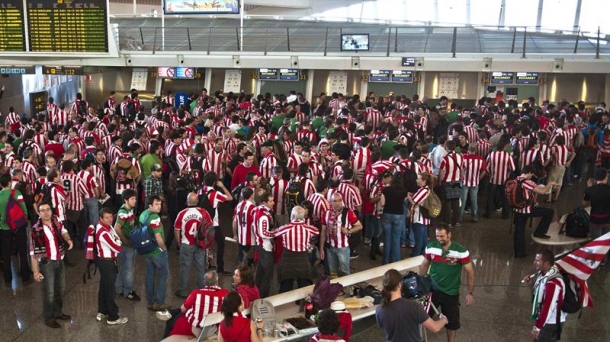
(328, 325)
(236, 326)
(244, 285)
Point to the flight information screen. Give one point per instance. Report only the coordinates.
(12, 34)
(67, 25)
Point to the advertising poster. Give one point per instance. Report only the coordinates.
(201, 7)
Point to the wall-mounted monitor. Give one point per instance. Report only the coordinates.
(185, 73)
(166, 72)
(201, 7)
(354, 42)
(289, 74)
(268, 74)
(501, 77)
(402, 76)
(379, 76)
(408, 61)
(527, 78)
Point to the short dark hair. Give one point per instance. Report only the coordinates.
(528, 169)
(600, 174)
(547, 256)
(445, 227)
(105, 210)
(328, 322)
(128, 193)
(67, 166)
(152, 200)
(5, 179)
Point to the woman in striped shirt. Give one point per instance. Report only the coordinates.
(419, 223)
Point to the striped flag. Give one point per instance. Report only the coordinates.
(581, 263)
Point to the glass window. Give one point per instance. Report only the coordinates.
(558, 14)
(485, 12)
(521, 13)
(594, 13)
(451, 12)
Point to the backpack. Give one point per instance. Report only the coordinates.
(23, 146)
(515, 196)
(571, 301)
(142, 239)
(539, 169)
(236, 193)
(89, 155)
(409, 177)
(264, 309)
(295, 194)
(592, 138)
(415, 286)
(204, 203)
(90, 243)
(125, 172)
(430, 207)
(81, 107)
(576, 224)
(172, 165)
(14, 216)
(43, 195)
(206, 234)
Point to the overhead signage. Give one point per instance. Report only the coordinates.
(402, 76)
(502, 77)
(527, 78)
(12, 29)
(166, 72)
(408, 61)
(379, 76)
(185, 73)
(62, 70)
(268, 74)
(17, 70)
(289, 74)
(201, 7)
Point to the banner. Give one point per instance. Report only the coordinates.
(581, 263)
(201, 7)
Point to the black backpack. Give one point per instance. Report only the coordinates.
(295, 194)
(571, 301)
(409, 177)
(236, 194)
(204, 203)
(576, 224)
(81, 108)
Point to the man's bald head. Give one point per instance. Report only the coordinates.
(192, 199)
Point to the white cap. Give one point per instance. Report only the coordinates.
(337, 306)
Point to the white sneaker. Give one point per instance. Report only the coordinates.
(163, 315)
(121, 320)
(100, 317)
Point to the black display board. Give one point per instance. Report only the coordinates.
(62, 70)
(502, 77)
(67, 25)
(527, 78)
(268, 74)
(38, 102)
(402, 76)
(12, 27)
(379, 76)
(289, 74)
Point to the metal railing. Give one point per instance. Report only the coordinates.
(383, 40)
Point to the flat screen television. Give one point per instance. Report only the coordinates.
(354, 42)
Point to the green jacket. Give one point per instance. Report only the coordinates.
(4, 195)
(146, 162)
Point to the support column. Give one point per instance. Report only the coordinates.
(364, 86)
(539, 17)
(543, 90)
(309, 87)
(422, 84)
(482, 86)
(207, 79)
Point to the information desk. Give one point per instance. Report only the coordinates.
(560, 239)
(284, 302)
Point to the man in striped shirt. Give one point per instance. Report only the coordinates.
(264, 227)
(108, 247)
(243, 226)
(474, 169)
(269, 160)
(499, 166)
(353, 201)
(75, 188)
(562, 158)
(450, 176)
(294, 264)
(92, 190)
(277, 189)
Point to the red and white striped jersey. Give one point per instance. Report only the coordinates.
(52, 110)
(560, 154)
(169, 100)
(320, 206)
(75, 189)
(215, 197)
(296, 235)
(90, 183)
(472, 165)
(170, 148)
(184, 162)
(40, 139)
(557, 133)
(202, 302)
(218, 129)
(229, 146)
(473, 135)
(267, 164)
(263, 229)
(58, 200)
(334, 105)
(12, 118)
(120, 187)
(373, 117)
(483, 147)
(306, 135)
(258, 139)
(278, 188)
(332, 221)
(308, 186)
(100, 176)
(360, 160)
(53, 242)
(244, 219)
(107, 142)
(214, 161)
(316, 170)
(451, 168)
(372, 172)
(29, 174)
(337, 171)
(528, 193)
(499, 166)
(294, 161)
(108, 242)
(300, 117)
(188, 221)
(529, 156)
(114, 152)
(288, 147)
(61, 118)
(418, 198)
(351, 195)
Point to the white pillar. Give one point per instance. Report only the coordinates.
(422, 84)
(309, 86)
(207, 80)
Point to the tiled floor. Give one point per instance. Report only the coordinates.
(500, 312)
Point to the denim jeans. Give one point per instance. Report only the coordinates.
(421, 238)
(474, 207)
(127, 265)
(93, 210)
(393, 225)
(406, 236)
(496, 190)
(373, 226)
(54, 285)
(264, 271)
(155, 293)
(338, 260)
(188, 254)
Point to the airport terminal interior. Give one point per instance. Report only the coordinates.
(555, 50)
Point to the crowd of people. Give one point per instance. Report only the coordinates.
(308, 184)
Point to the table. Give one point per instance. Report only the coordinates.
(560, 239)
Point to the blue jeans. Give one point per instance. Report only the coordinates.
(474, 206)
(127, 266)
(421, 238)
(338, 260)
(156, 264)
(373, 226)
(407, 234)
(54, 285)
(393, 226)
(93, 210)
(188, 254)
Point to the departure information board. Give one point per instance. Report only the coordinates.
(12, 35)
(67, 25)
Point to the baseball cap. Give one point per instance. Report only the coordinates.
(156, 167)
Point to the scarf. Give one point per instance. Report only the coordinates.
(539, 286)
